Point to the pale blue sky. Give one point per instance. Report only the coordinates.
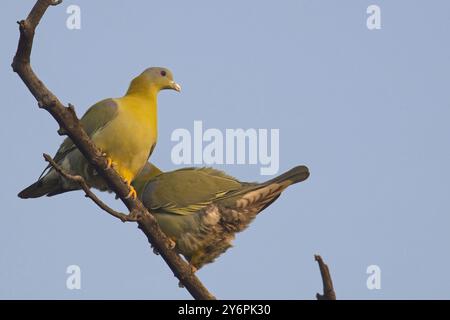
(367, 111)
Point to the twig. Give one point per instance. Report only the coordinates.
(328, 290)
(70, 125)
(87, 190)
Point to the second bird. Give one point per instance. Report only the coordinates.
(125, 130)
(201, 209)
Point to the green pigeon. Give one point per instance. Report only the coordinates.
(201, 209)
(124, 129)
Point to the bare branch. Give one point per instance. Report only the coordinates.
(328, 290)
(70, 125)
(87, 190)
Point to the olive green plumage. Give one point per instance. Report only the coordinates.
(201, 209)
(124, 129)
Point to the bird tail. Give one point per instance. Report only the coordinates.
(40, 188)
(295, 175)
(49, 185)
(257, 197)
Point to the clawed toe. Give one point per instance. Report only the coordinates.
(109, 161)
(171, 244)
(132, 194)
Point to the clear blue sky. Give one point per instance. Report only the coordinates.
(367, 111)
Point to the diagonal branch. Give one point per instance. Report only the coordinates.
(328, 290)
(87, 190)
(70, 125)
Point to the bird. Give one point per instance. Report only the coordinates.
(200, 209)
(124, 129)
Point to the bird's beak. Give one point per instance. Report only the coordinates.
(175, 86)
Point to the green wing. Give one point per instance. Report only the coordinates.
(187, 190)
(97, 117)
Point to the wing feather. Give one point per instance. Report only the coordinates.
(96, 117)
(188, 190)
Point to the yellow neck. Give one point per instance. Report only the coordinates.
(143, 88)
(142, 98)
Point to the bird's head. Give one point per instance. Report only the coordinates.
(153, 80)
(161, 78)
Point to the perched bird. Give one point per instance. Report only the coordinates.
(124, 129)
(201, 209)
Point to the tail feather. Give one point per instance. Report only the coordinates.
(260, 196)
(295, 175)
(40, 188)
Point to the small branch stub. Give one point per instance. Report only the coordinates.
(328, 289)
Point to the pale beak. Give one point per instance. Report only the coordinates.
(175, 86)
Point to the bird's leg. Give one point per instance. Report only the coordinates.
(132, 194)
(171, 244)
(109, 162)
(193, 268)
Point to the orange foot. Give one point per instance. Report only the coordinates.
(193, 268)
(109, 162)
(171, 244)
(132, 194)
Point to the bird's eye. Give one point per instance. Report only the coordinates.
(163, 73)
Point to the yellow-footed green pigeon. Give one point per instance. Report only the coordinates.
(201, 209)
(124, 129)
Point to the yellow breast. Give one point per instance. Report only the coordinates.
(129, 137)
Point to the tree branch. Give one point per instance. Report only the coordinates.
(70, 125)
(328, 290)
(87, 190)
